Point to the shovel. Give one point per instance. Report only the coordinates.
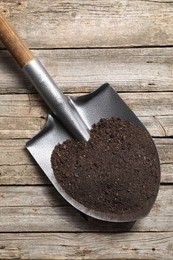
(70, 117)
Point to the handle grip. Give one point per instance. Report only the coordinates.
(14, 43)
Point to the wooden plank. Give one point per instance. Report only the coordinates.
(86, 246)
(83, 70)
(55, 218)
(25, 127)
(24, 106)
(47, 196)
(143, 104)
(149, 104)
(166, 122)
(166, 173)
(30, 196)
(164, 148)
(32, 175)
(92, 23)
(16, 122)
(17, 166)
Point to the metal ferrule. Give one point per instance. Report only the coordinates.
(58, 103)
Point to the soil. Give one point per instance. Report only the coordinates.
(117, 170)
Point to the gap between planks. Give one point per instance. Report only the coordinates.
(96, 47)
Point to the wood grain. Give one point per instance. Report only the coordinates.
(47, 196)
(155, 110)
(131, 70)
(34, 217)
(92, 23)
(143, 104)
(23, 127)
(32, 175)
(60, 246)
(84, 44)
(30, 196)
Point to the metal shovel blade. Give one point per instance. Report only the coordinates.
(77, 115)
(102, 103)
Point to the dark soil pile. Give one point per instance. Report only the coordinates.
(117, 170)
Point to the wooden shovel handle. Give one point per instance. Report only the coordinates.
(14, 43)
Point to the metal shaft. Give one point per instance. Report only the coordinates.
(58, 103)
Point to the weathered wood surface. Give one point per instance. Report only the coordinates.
(137, 69)
(84, 44)
(26, 127)
(143, 104)
(13, 127)
(60, 246)
(41, 209)
(62, 24)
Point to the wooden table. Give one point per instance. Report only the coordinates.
(84, 44)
